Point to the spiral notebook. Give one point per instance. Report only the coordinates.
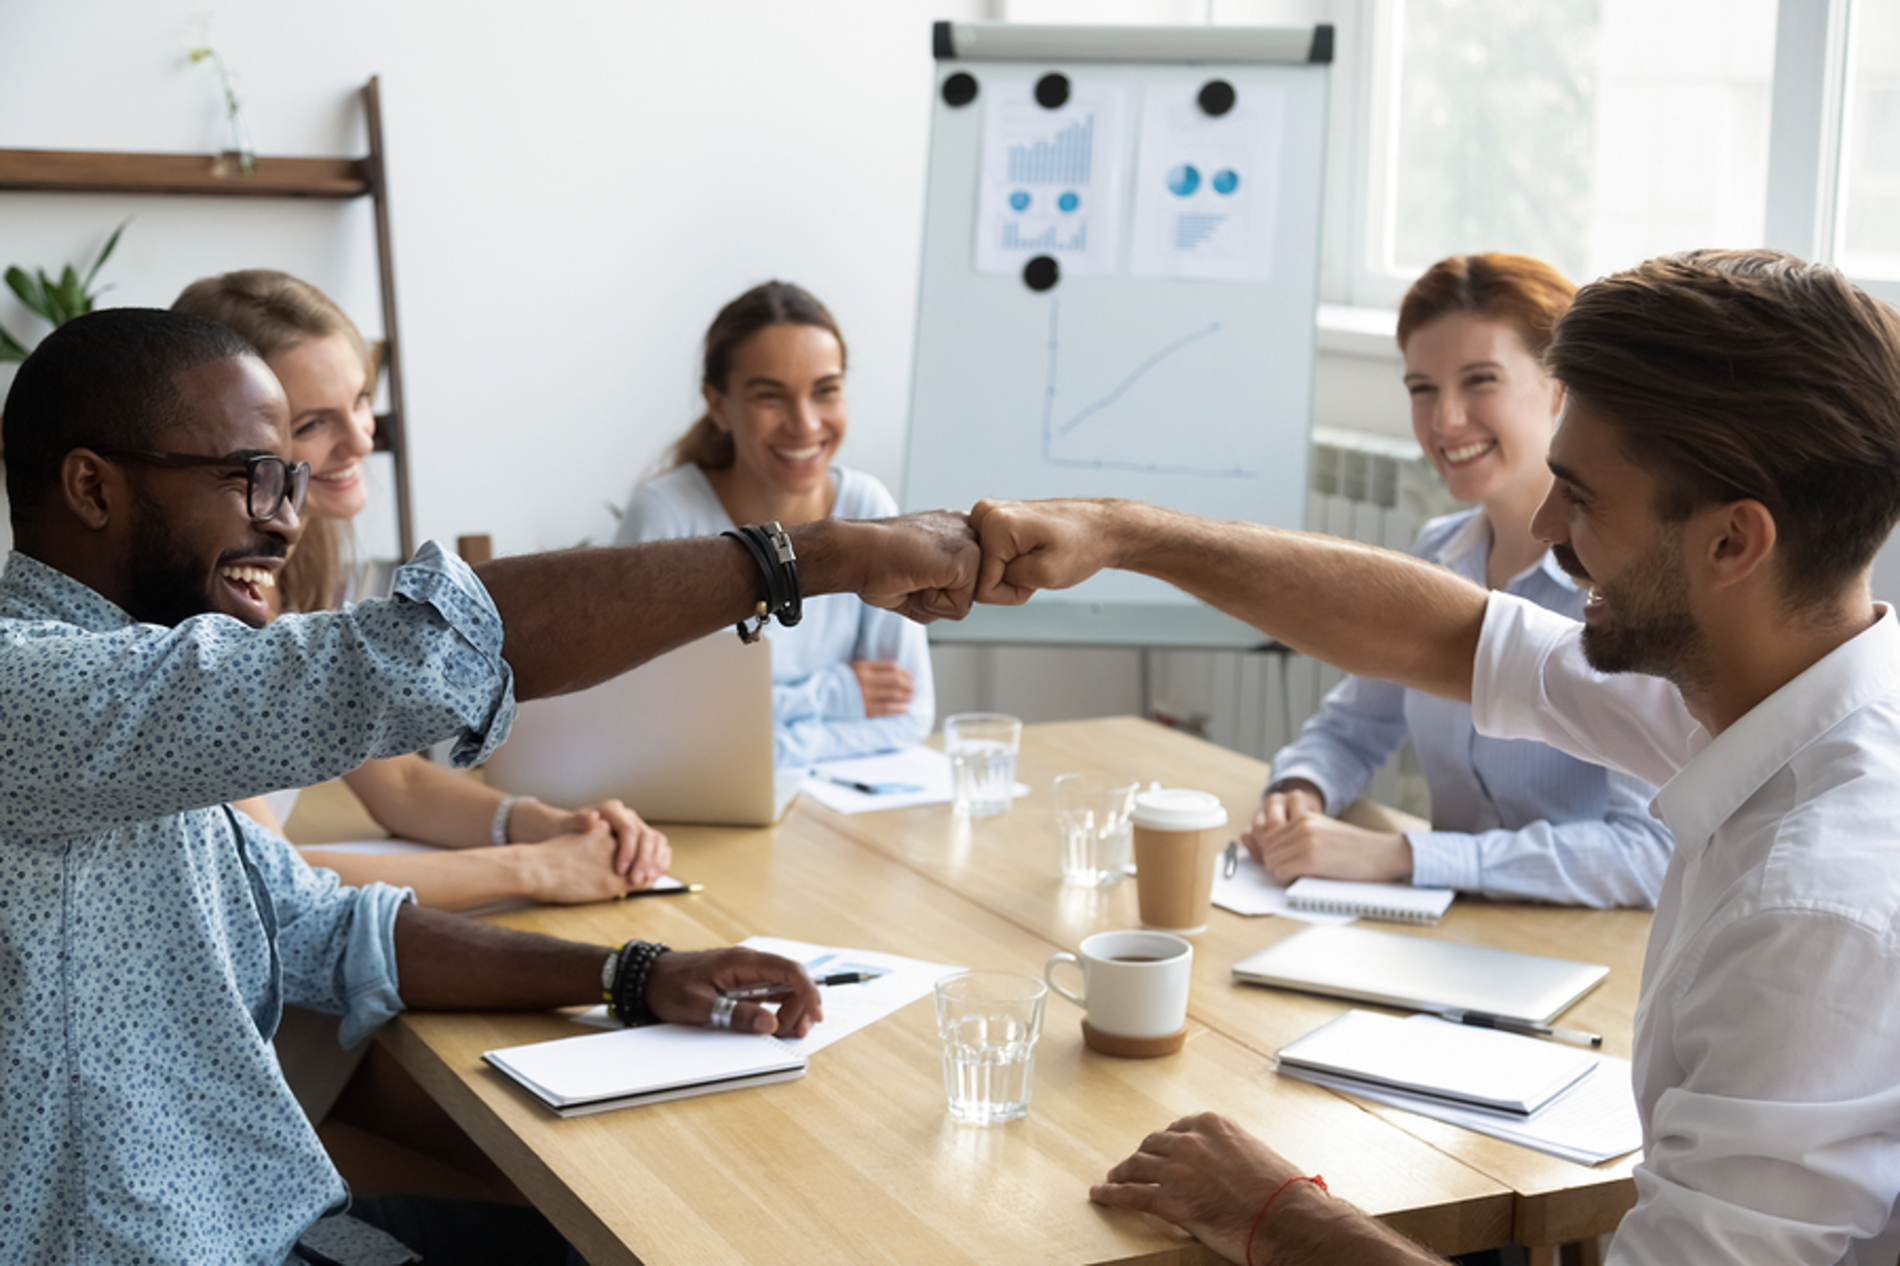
(1393, 903)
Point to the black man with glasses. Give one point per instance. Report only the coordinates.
(149, 935)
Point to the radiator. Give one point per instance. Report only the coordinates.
(1370, 488)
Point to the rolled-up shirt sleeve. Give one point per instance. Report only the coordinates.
(337, 943)
(1530, 681)
(109, 728)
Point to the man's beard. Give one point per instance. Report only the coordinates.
(1646, 625)
(167, 585)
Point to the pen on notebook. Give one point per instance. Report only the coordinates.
(779, 990)
(678, 891)
(1485, 1020)
(871, 788)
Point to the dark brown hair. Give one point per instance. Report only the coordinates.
(1739, 375)
(763, 306)
(276, 312)
(1515, 290)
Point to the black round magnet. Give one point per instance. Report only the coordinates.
(1217, 97)
(1052, 90)
(959, 89)
(1041, 273)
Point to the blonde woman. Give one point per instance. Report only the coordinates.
(328, 373)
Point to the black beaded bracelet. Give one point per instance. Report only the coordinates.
(627, 1000)
(779, 595)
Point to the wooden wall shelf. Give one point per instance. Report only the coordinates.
(198, 175)
(215, 176)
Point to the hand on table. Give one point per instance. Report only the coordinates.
(1292, 838)
(1204, 1174)
(683, 986)
(574, 868)
(886, 687)
(641, 853)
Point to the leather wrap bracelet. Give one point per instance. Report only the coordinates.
(779, 595)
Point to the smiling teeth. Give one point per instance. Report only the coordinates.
(1469, 451)
(250, 576)
(1592, 596)
(801, 454)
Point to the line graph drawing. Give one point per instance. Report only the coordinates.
(1106, 403)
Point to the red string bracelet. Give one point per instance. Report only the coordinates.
(1266, 1204)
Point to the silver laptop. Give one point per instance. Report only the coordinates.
(1421, 974)
(686, 737)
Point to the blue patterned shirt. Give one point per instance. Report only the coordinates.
(149, 936)
(1512, 818)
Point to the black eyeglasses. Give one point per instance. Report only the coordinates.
(270, 481)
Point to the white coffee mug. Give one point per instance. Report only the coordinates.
(1134, 983)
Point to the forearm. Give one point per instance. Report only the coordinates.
(448, 963)
(416, 799)
(460, 880)
(575, 618)
(1369, 611)
(1306, 1227)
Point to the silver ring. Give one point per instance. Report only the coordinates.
(723, 1007)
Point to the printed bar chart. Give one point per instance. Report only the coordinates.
(1064, 158)
(1047, 240)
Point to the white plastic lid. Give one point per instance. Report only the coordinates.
(1178, 809)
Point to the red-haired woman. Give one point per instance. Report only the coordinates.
(1510, 819)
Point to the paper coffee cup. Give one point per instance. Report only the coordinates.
(1176, 840)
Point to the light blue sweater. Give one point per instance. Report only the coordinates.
(817, 710)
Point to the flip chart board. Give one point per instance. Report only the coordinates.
(1120, 275)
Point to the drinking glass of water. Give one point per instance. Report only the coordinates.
(982, 751)
(989, 1022)
(1092, 815)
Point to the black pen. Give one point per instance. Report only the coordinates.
(780, 990)
(1505, 1024)
(678, 891)
(871, 788)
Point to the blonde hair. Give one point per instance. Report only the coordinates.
(276, 312)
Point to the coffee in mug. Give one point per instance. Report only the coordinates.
(1176, 841)
(1134, 991)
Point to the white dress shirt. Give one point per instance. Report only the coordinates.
(1767, 1061)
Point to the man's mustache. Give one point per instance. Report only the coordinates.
(1572, 565)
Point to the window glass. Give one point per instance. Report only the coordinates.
(1869, 211)
(1592, 133)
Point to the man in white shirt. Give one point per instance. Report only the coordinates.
(1727, 466)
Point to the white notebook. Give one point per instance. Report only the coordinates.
(1394, 903)
(1429, 1056)
(627, 1067)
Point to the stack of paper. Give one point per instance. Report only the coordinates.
(1250, 890)
(1556, 1099)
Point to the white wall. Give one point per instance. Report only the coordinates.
(576, 188)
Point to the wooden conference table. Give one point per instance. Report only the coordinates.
(858, 1162)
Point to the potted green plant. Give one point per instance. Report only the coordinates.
(56, 302)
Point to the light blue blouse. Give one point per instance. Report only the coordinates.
(1511, 818)
(149, 935)
(817, 709)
